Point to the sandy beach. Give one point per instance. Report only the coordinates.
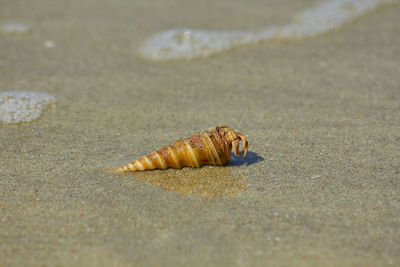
(321, 183)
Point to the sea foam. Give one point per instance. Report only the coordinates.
(23, 106)
(186, 43)
(14, 28)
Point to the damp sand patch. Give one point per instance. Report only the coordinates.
(208, 181)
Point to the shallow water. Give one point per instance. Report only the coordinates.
(14, 28)
(186, 43)
(23, 106)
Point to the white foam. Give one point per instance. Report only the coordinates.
(185, 43)
(49, 44)
(14, 28)
(23, 106)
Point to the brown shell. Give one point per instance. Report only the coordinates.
(207, 147)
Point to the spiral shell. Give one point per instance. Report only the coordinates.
(207, 147)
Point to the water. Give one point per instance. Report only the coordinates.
(14, 28)
(23, 106)
(186, 43)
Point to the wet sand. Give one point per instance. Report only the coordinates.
(320, 187)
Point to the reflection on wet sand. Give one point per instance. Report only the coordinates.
(208, 181)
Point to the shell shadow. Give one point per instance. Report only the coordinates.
(251, 158)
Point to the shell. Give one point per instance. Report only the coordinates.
(208, 147)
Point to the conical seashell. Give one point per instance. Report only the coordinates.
(208, 147)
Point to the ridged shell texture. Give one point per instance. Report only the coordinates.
(207, 147)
